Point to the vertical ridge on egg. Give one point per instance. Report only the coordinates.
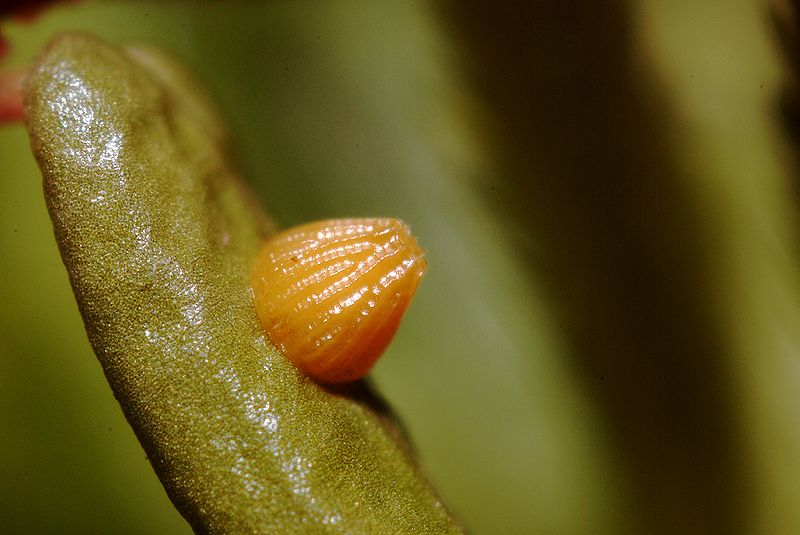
(331, 294)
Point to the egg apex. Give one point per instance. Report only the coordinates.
(330, 294)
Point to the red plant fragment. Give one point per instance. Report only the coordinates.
(22, 11)
(11, 108)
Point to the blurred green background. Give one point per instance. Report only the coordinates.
(608, 337)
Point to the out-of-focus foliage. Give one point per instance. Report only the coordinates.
(523, 413)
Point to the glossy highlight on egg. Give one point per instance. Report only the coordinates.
(330, 294)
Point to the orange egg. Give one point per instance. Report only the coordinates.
(330, 294)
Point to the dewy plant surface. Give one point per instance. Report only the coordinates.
(157, 233)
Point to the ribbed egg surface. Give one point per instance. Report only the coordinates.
(331, 294)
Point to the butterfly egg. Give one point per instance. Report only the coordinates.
(331, 294)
